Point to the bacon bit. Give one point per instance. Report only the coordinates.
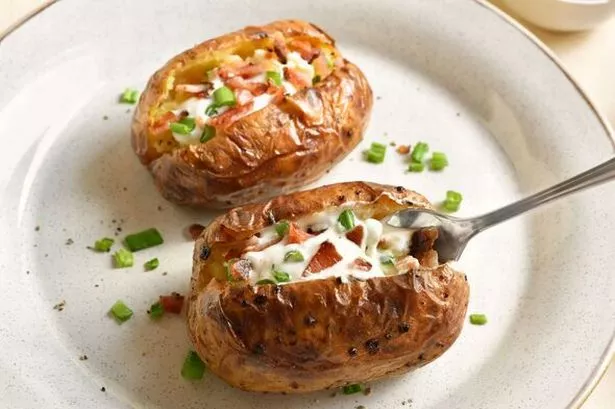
(296, 235)
(403, 149)
(244, 96)
(325, 257)
(356, 235)
(195, 230)
(406, 264)
(321, 67)
(161, 124)
(256, 88)
(231, 115)
(279, 47)
(307, 51)
(173, 303)
(295, 78)
(240, 270)
(361, 264)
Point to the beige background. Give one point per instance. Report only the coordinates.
(590, 58)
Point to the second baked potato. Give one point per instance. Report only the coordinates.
(249, 115)
(313, 290)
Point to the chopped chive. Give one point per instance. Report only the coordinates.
(183, 127)
(316, 79)
(478, 319)
(293, 256)
(280, 276)
(330, 60)
(208, 133)
(265, 281)
(129, 96)
(103, 245)
(156, 311)
(346, 219)
(123, 258)
(144, 239)
(386, 259)
(151, 264)
(416, 167)
(274, 77)
(351, 389)
(120, 312)
(438, 161)
(224, 96)
(282, 227)
(452, 201)
(419, 152)
(193, 367)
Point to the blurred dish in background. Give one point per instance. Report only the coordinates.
(563, 15)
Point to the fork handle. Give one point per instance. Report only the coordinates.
(597, 175)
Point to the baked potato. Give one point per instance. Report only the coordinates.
(249, 115)
(313, 290)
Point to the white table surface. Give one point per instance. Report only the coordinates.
(589, 57)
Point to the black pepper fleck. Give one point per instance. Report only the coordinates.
(400, 189)
(259, 349)
(372, 346)
(388, 335)
(83, 358)
(421, 357)
(260, 299)
(353, 351)
(309, 320)
(103, 389)
(244, 303)
(404, 327)
(205, 252)
(69, 241)
(37, 228)
(105, 117)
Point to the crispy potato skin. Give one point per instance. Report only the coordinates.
(320, 334)
(257, 156)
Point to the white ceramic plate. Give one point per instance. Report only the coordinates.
(453, 73)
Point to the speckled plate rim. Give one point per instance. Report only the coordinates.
(605, 360)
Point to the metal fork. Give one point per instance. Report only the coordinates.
(455, 233)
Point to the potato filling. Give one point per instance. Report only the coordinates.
(328, 244)
(239, 86)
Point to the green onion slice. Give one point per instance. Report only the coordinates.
(193, 367)
(478, 319)
(129, 96)
(208, 133)
(376, 153)
(294, 256)
(274, 77)
(387, 259)
(123, 258)
(212, 110)
(280, 276)
(452, 201)
(156, 311)
(416, 167)
(120, 312)
(346, 219)
(151, 264)
(351, 389)
(316, 79)
(103, 245)
(419, 152)
(438, 161)
(183, 127)
(224, 96)
(143, 240)
(265, 281)
(282, 227)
